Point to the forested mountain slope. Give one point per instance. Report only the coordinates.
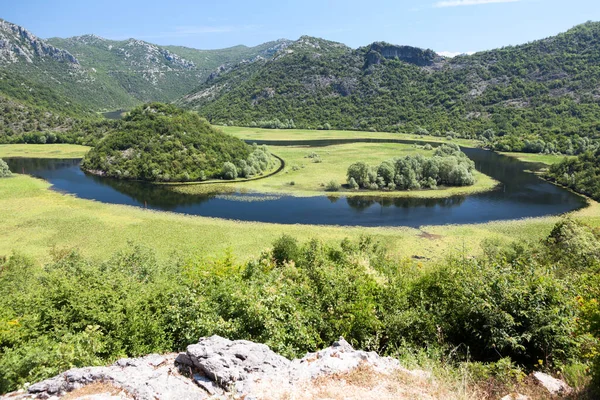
(540, 96)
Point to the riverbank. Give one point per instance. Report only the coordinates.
(305, 134)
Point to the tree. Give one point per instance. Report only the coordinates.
(4, 170)
(229, 171)
(360, 172)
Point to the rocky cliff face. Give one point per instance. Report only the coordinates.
(412, 55)
(18, 44)
(220, 368)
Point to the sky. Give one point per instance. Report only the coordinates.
(446, 26)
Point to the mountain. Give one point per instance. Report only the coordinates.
(147, 72)
(51, 85)
(88, 73)
(52, 76)
(540, 96)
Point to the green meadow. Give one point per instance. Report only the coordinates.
(308, 170)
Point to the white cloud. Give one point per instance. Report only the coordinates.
(452, 54)
(458, 3)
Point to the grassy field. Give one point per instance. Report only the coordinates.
(304, 134)
(309, 178)
(547, 159)
(43, 150)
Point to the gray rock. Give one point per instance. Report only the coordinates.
(147, 378)
(555, 387)
(214, 367)
(227, 362)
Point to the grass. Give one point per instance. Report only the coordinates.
(43, 150)
(547, 159)
(304, 134)
(310, 178)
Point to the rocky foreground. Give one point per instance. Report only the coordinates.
(218, 368)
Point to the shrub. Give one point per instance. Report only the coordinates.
(229, 171)
(285, 249)
(332, 186)
(4, 170)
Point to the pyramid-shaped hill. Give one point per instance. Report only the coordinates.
(162, 143)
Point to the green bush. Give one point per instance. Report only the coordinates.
(4, 170)
(285, 249)
(332, 186)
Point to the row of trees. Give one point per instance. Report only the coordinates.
(258, 162)
(449, 166)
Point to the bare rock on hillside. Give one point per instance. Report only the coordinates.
(555, 387)
(215, 367)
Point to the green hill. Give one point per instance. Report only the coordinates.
(540, 96)
(159, 142)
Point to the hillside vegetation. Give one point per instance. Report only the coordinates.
(159, 142)
(537, 97)
(581, 174)
(509, 311)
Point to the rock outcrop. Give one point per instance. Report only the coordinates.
(555, 387)
(17, 43)
(412, 55)
(214, 367)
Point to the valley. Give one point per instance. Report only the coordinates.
(439, 210)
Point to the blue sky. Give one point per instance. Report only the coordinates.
(442, 25)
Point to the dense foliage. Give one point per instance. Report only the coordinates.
(531, 302)
(158, 142)
(537, 97)
(581, 174)
(449, 166)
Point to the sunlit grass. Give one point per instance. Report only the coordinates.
(305, 134)
(547, 159)
(304, 176)
(43, 150)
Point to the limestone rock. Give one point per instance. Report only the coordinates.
(148, 378)
(555, 387)
(215, 367)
